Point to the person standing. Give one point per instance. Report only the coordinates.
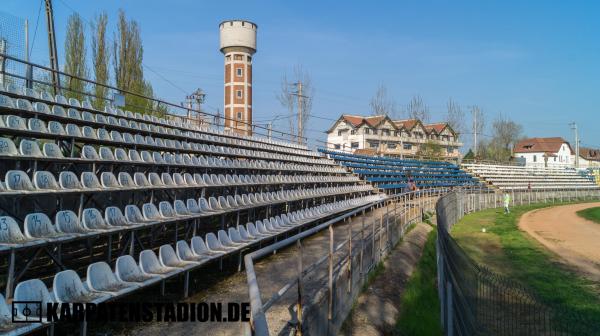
(506, 202)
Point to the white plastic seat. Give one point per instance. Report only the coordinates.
(88, 116)
(18, 180)
(74, 102)
(151, 213)
(135, 156)
(103, 134)
(59, 111)
(167, 180)
(37, 125)
(10, 233)
(106, 154)
(66, 221)
(89, 180)
(149, 264)
(33, 290)
(116, 136)
(121, 155)
(166, 209)
(184, 252)
(92, 220)
(235, 237)
(89, 153)
(7, 147)
(168, 258)
(15, 122)
(199, 248)
(180, 208)
(51, 150)
(109, 180)
(128, 271)
(67, 288)
(88, 132)
(54, 127)
(126, 181)
(114, 217)
(155, 180)
(101, 279)
(38, 226)
(44, 180)
(73, 130)
(214, 244)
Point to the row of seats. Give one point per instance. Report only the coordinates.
(44, 181)
(138, 122)
(508, 177)
(350, 157)
(87, 133)
(49, 150)
(102, 284)
(38, 228)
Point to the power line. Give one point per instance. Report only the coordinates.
(37, 22)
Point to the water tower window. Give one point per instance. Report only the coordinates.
(228, 58)
(237, 57)
(238, 93)
(243, 23)
(239, 116)
(239, 72)
(249, 58)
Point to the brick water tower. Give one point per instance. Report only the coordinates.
(238, 44)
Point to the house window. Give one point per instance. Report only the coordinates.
(450, 150)
(352, 132)
(367, 131)
(336, 146)
(373, 144)
(354, 145)
(238, 93)
(407, 146)
(239, 72)
(340, 132)
(391, 145)
(535, 158)
(385, 132)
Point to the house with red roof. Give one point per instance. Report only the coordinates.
(545, 152)
(381, 135)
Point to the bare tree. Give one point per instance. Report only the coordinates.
(417, 109)
(297, 96)
(455, 116)
(506, 132)
(75, 52)
(100, 55)
(382, 104)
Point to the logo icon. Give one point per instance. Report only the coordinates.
(27, 311)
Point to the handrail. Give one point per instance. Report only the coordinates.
(258, 318)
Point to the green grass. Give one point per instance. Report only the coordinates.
(592, 214)
(420, 314)
(507, 250)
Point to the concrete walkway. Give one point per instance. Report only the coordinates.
(377, 308)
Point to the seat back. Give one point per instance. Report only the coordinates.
(92, 219)
(10, 233)
(151, 212)
(38, 225)
(33, 290)
(100, 277)
(52, 150)
(44, 180)
(113, 216)
(68, 180)
(67, 287)
(66, 221)
(18, 180)
(166, 209)
(7, 147)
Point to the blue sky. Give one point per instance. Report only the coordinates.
(536, 62)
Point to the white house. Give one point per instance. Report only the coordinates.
(545, 152)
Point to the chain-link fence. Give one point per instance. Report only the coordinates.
(12, 43)
(476, 301)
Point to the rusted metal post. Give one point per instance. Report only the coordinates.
(349, 256)
(299, 303)
(330, 277)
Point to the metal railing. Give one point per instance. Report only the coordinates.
(475, 300)
(335, 287)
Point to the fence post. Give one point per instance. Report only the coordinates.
(362, 245)
(299, 303)
(349, 257)
(449, 309)
(330, 277)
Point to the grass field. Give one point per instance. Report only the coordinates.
(592, 214)
(420, 313)
(511, 252)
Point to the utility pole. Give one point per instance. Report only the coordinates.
(270, 129)
(52, 47)
(300, 102)
(198, 98)
(475, 111)
(574, 127)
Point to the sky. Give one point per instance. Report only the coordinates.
(535, 62)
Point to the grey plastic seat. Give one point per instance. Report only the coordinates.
(214, 204)
(51, 150)
(236, 236)
(54, 127)
(114, 217)
(41, 108)
(73, 114)
(18, 180)
(155, 180)
(169, 258)
(44, 180)
(167, 179)
(185, 252)
(100, 278)
(38, 226)
(37, 125)
(214, 244)
(74, 102)
(10, 233)
(66, 221)
(192, 206)
(88, 116)
(103, 134)
(135, 156)
(101, 119)
(88, 132)
(116, 136)
(89, 180)
(86, 104)
(30, 148)
(67, 288)
(149, 264)
(140, 180)
(59, 111)
(7, 147)
(109, 180)
(121, 155)
(128, 271)
(180, 208)
(226, 241)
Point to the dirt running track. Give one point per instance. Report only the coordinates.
(573, 238)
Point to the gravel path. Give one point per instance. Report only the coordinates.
(574, 239)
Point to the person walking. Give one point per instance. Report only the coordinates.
(506, 202)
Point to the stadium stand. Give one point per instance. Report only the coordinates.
(98, 204)
(507, 177)
(394, 175)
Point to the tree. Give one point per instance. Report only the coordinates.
(128, 54)
(382, 104)
(75, 63)
(455, 116)
(506, 132)
(478, 126)
(290, 97)
(100, 54)
(469, 156)
(417, 109)
(430, 149)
